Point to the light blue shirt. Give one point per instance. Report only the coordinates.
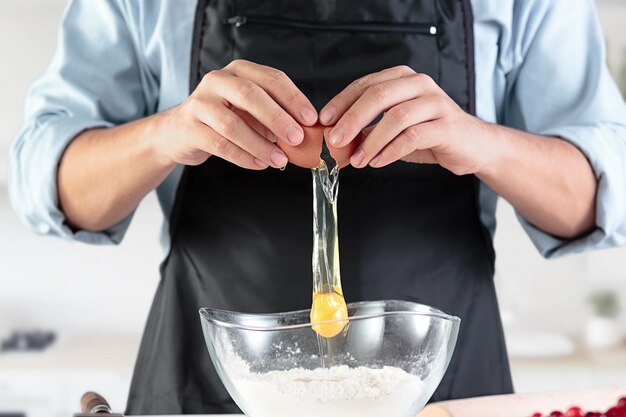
(539, 68)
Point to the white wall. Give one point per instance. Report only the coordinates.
(550, 295)
(73, 287)
(613, 14)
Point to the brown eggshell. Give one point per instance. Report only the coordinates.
(342, 155)
(307, 153)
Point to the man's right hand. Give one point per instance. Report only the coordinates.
(236, 113)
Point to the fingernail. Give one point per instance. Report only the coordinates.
(260, 163)
(295, 135)
(374, 162)
(279, 159)
(308, 115)
(336, 135)
(357, 158)
(326, 116)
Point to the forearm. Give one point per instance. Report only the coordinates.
(104, 173)
(548, 180)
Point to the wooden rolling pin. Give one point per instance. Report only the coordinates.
(524, 405)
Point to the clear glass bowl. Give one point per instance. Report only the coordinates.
(387, 361)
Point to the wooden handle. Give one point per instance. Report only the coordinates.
(93, 403)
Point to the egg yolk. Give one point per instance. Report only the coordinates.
(329, 306)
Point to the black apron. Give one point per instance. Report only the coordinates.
(242, 240)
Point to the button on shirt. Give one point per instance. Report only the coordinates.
(539, 68)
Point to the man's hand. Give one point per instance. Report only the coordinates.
(420, 123)
(237, 113)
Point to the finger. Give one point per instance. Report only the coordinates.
(248, 96)
(342, 101)
(279, 86)
(255, 124)
(230, 126)
(425, 156)
(416, 139)
(393, 123)
(218, 145)
(375, 100)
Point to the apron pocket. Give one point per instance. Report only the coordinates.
(334, 53)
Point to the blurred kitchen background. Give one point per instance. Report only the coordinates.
(71, 315)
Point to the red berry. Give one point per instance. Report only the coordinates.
(556, 413)
(621, 402)
(574, 412)
(537, 415)
(613, 412)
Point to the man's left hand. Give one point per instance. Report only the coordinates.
(420, 123)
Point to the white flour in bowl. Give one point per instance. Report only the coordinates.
(337, 391)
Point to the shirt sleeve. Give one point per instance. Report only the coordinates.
(95, 80)
(559, 85)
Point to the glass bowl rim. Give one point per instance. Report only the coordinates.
(428, 311)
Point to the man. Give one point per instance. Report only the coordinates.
(479, 98)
